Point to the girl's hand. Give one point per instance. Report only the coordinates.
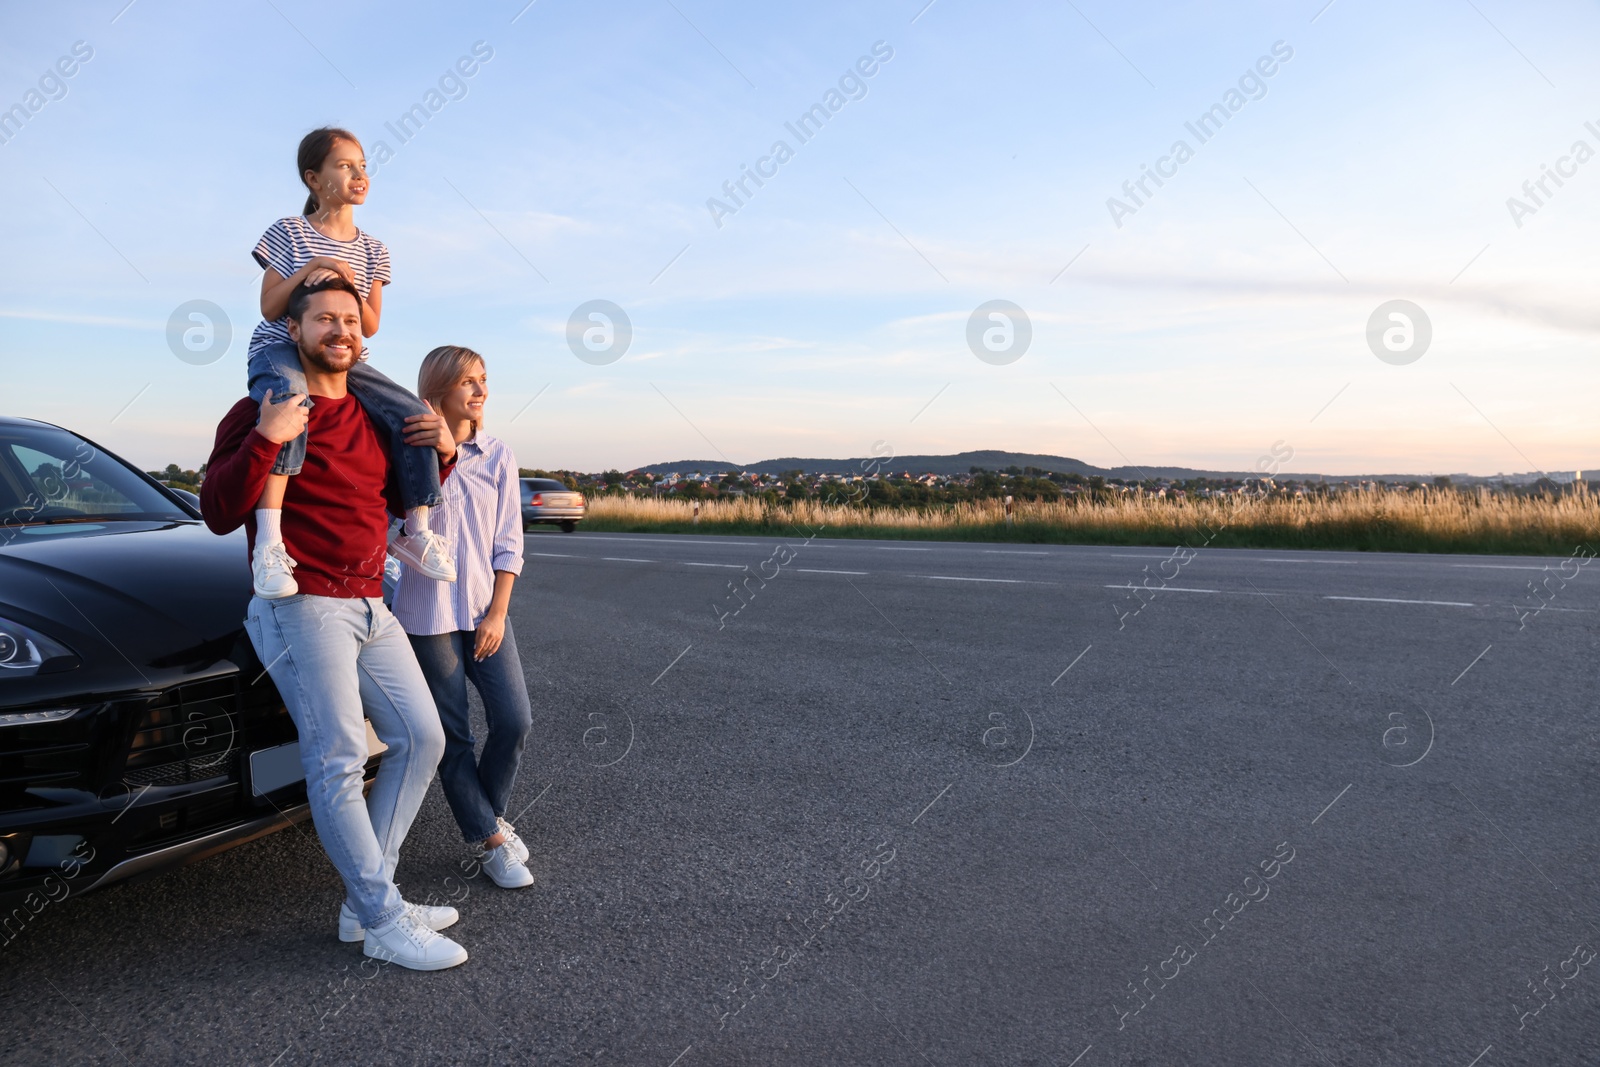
(322, 274)
(491, 631)
(338, 266)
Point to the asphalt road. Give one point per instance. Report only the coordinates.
(943, 804)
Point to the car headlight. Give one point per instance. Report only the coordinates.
(24, 651)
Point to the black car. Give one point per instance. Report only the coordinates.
(138, 730)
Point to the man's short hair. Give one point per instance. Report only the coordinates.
(302, 294)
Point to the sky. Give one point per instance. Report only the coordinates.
(834, 309)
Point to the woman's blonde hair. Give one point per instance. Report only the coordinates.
(440, 371)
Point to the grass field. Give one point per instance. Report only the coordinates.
(1425, 521)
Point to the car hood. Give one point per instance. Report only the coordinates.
(143, 604)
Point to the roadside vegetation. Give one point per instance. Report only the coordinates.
(1423, 519)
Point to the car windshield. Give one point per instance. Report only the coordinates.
(48, 475)
(544, 485)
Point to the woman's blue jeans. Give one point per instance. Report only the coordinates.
(477, 789)
(277, 367)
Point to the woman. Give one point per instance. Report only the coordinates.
(460, 632)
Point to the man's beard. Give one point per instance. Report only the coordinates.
(322, 360)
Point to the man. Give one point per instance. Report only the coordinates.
(335, 650)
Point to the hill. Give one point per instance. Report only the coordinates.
(998, 460)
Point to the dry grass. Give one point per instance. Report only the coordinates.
(1426, 521)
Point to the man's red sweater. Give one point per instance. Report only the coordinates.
(335, 511)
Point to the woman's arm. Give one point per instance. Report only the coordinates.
(492, 630)
(505, 554)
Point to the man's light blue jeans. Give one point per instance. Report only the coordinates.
(332, 658)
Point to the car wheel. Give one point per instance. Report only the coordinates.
(568, 526)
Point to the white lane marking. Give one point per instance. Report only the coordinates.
(625, 559)
(1330, 562)
(896, 548)
(1125, 555)
(1010, 552)
(1585, 611)
(951, 578)
(665, 539)
(1397, 600)
(556, 555)
(1500, 566)
(734, 566)
(1164, 588)
(809, 570)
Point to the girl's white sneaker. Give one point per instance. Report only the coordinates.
(273, 571)
(427, 552)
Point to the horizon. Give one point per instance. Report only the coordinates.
(811, 301)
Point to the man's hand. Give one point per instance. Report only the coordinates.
(280, 423)
(490, 632)
(430, 429)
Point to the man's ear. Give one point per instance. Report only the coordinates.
(294, 330)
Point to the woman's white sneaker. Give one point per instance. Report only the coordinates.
(503, 868)
(408, 942)
(272, 569)
(518, 846)
(434, 917)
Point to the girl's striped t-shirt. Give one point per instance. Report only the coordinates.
(291, 243)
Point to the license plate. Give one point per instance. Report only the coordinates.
(273, 768)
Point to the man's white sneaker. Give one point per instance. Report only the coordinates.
(408, 942)
(434, 917)
(272, 569)
(427, 552)
(503, 868)
(518, 846)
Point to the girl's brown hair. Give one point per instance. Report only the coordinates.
(440, 371)
(315, 147)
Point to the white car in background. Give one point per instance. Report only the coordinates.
(545, 500)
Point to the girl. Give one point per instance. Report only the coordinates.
(311, 247)
(460, 633)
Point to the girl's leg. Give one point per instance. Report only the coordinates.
(276, 368)
(390, 406)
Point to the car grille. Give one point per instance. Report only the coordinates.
(187, 734)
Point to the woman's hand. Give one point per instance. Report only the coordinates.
(491, 631)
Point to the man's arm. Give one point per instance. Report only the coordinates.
(242, 458)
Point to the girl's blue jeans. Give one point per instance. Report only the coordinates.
(277, 367)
